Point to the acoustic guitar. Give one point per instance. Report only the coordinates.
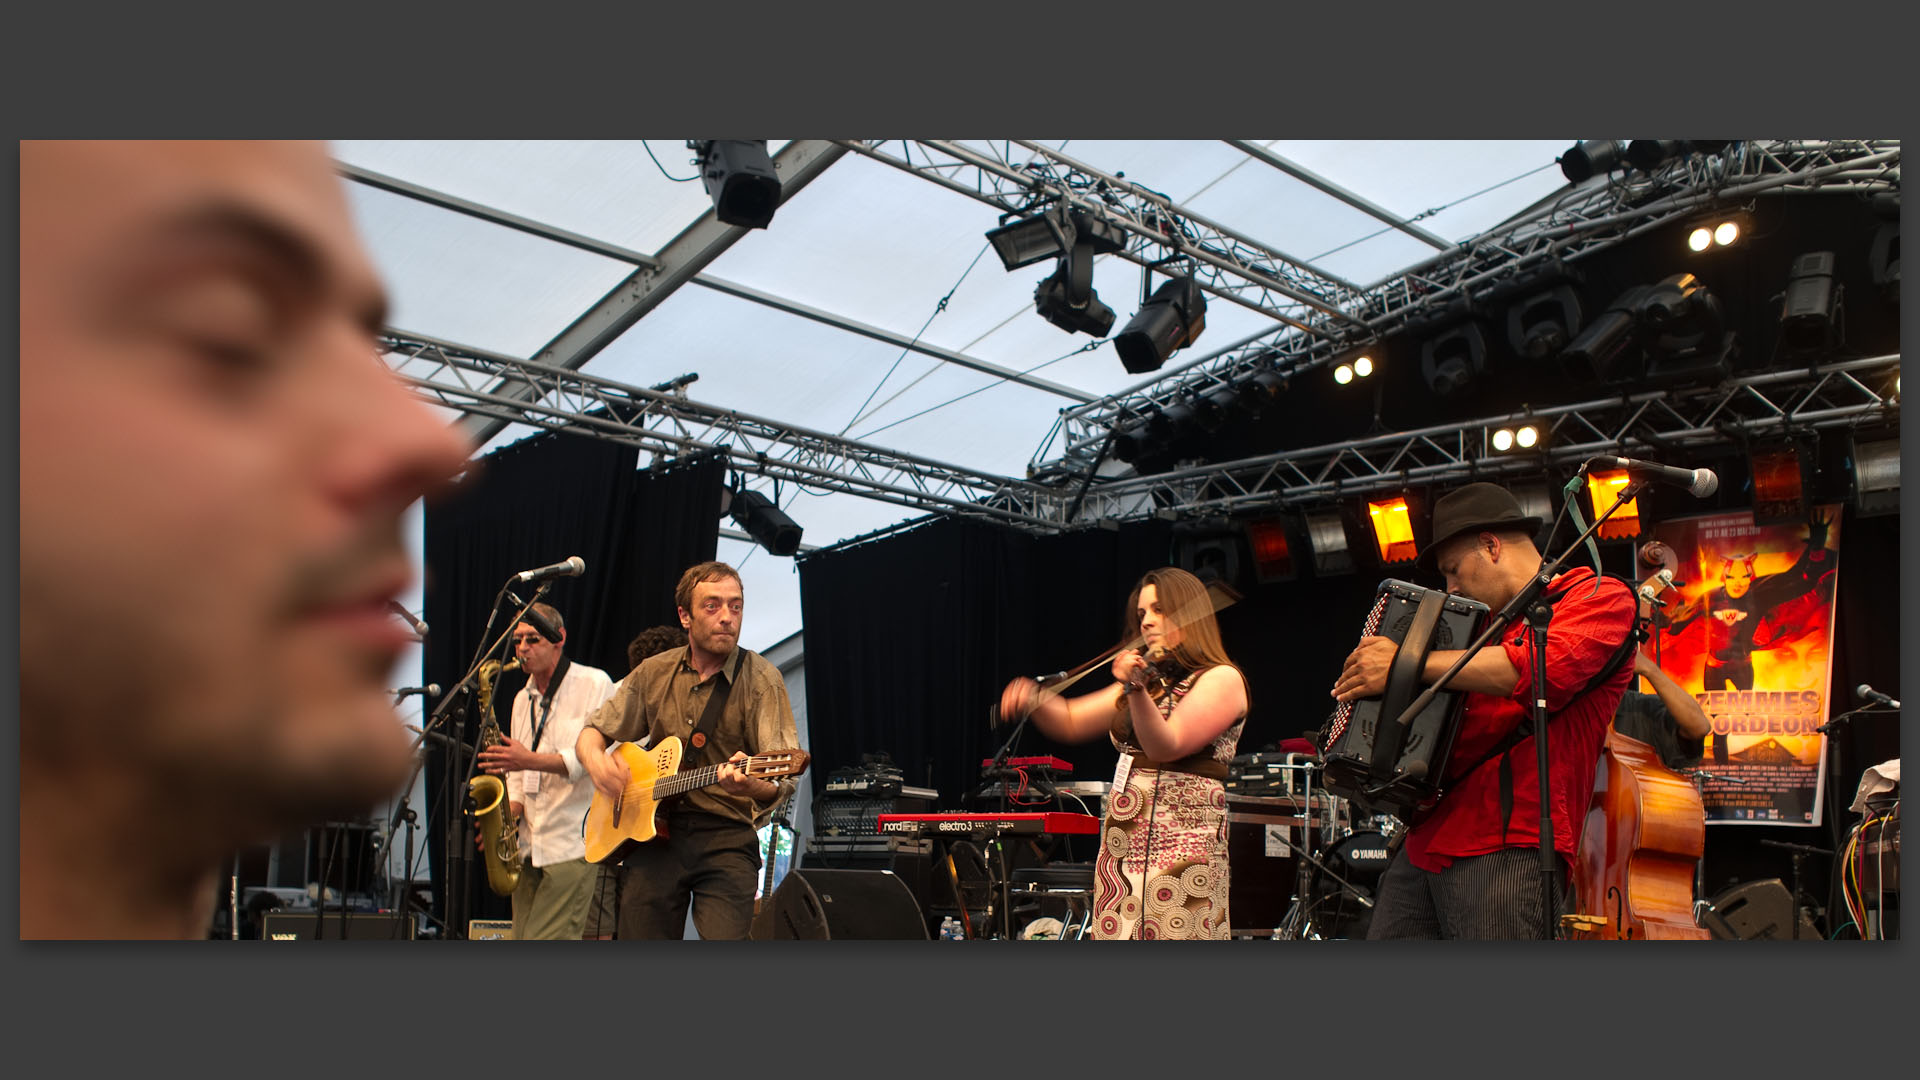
(654, 777)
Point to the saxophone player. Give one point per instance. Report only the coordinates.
(547, 788)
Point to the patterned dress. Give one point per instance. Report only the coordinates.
(1162, 867)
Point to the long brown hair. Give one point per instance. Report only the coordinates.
(1186, 604)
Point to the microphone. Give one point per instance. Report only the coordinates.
(544, 625)
(418, 626)
(573, 567)
(1871, 694)
(1699, 483)
(1655, 585)
(429, 690)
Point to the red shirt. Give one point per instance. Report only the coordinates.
(1587, 629)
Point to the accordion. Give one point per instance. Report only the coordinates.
(1369, 758)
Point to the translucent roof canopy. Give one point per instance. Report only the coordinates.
(867, 245)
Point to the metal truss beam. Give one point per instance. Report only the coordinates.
(1325, 186)
(586, 243)
(798, 163)
(1650, 423)
(1586, 219)
(664, 422)
(1225, 263)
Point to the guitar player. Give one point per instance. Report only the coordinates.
(723, 703)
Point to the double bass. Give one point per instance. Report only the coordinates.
(1645, 830)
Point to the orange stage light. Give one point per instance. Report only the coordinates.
(1393, 530)
(1604, 488)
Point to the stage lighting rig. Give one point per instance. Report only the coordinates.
(763, 520)
(1590, 157)
(1811, 303)
(1167, 322)
(1050, 232)
(740, 179)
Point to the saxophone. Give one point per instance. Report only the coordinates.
(492, 813)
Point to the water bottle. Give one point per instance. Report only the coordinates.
(949, 929)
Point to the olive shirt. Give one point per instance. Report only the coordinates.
(665, 696)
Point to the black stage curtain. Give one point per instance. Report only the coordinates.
(532, 504)
(911, 638)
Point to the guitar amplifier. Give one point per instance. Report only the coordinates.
(489, 929)
(335, 926)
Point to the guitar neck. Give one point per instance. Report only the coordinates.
(686, 781)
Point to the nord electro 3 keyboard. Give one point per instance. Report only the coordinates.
(1028, 824)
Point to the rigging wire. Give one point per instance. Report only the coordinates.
(663, 168)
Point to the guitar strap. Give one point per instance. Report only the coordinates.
(703, 748)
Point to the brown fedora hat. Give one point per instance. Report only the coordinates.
(1476, 508)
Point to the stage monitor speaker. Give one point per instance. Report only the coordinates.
(359, 926)
(1757, 910)
(842, 905)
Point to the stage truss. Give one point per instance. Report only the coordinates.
(667, 423)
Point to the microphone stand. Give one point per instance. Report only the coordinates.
(1538, 614)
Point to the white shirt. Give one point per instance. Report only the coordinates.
(556, 806)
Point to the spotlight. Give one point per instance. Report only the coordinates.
(1806, 316)
(1343, 374)
(1454, 358)
(740, 180)
(1779, 484)
(1272, 551)
(1590, 157)
(1719, 231)
(1602, 489)
(765, 522)
(1883, 258)
(1593, 356)
(1876, 476)
(1542, 324)
(1363, 366)
(1067, 300)
(1648, 155)
(1393, 530)
(1031, 239)
(1522, 437)
(1686, 332)
(1132, 444)
(1210, 410)
(1169, 321)
(1260, 393)
(1327, 534)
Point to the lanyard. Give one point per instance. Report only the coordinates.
(546, 700)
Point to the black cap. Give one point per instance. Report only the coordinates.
(1476, 508)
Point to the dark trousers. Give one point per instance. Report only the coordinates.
(1494, 897)
(711, 862)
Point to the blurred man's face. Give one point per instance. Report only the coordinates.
(213, 467)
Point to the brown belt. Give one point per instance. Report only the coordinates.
(1196, 765)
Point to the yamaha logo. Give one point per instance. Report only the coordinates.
(1369, 853)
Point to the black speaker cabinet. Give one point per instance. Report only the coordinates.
(358, 926)
(842, 905)
(1757, 910)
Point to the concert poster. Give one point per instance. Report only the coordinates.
(1750, 621)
